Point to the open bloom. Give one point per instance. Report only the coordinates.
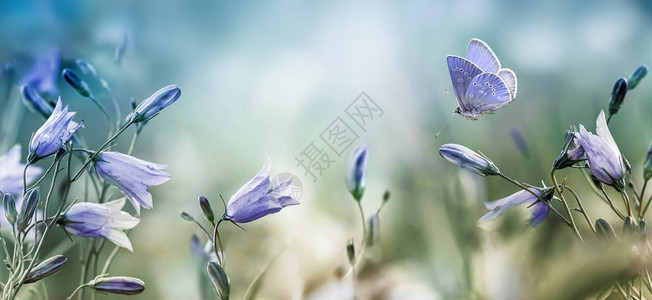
(11, 173)
(132, 176)
(539, 210)
(602, 154)
(468, 159)
(156, 102)
(356, 172)
(57, 130)
(101, 221)
(258, 198)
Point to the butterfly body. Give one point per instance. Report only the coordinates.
(479, 83)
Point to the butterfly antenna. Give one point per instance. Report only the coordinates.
(444, 127)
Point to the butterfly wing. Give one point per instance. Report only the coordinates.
(481, 55)
(462, 72)
(509, 77)
(486, 93)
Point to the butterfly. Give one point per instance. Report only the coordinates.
(479, 83)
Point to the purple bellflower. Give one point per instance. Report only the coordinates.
(356, 173)
(121, 285)
(43, 74)
(95, 220)
(468, 159)
(539, 210)
(258, 198)
(156, 103)
(57, 131)
(602, 154)
(132, 176)
(11, 173)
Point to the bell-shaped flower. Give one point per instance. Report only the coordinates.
(356, 172)
(539, 210)
(105, 220)
(156, 102)
(258, 198)
(57, 131)
(602, 154)
(43, 74)
(468, 159)
(132, 176)
(11, 173)
(35, 102)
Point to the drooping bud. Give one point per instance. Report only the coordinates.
(617, 96)
(46, 268)
(468, 159)
(9, 205)
(122, 285)
(186, 216)
(636, 78)
(373, 229)
(647, 165)
(386, 196)
(605, 230)
(79, 85)
(151, 106)
(27, 210)
(85, 67)
(350, 251)
(206, 209)
(220, 280)
(35, 102)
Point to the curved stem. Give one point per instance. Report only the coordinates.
(77, 290)
(218, 242)
(362, 218)
(641, 197)
(568, 211)
(579, 202)
(627, 203)
(134, 139)
(611, 203)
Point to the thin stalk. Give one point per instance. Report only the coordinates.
(627, 203)
(77, 290)
(579, 202)
(90, 159)
(611, 203)
(641, 196)
(568, 211)
(218, 242)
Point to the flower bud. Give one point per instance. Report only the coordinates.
(617, 96)
(373, 229)
(206, 209)
(85, 67)
(568, 157)
(186, 216)
(636, 78)
(27, 210)
(629, 228)
(468, 159)
(10, 208)
(219, 279)
(156, 103)
(79, 85)
(118, 285)
(647, 165)
(357, 172)
(386, 196)
(604, 230)
(350, 251)
(46, 268)
(35, 102)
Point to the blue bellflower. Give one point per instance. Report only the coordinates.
(498, 207)
(132, 176)
(105, 220)
(356, 173)
(258, 198)
(602, 154)
(11, 173)
(43, 74)
(55, 132)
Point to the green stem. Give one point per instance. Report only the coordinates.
(568, 211)
(76, 290)
(97, 153)
(362, 218)
(611, 203)
(627, 203)
(641, 197)
(218, 242)
(579, 202)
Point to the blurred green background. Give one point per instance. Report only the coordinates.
(265, 79)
